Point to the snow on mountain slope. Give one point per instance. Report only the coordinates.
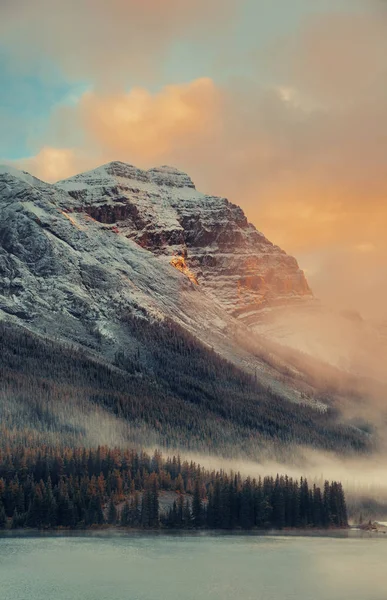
(68, 275)
(78, 256)
(210, 240)
(162, 211)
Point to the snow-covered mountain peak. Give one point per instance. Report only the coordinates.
(171, 177)
(22, 189)
(123, 174)
(161, 210)
(8, 172)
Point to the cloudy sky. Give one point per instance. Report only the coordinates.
(280, 105)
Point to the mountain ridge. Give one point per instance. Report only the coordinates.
(80, 278)
(65, 273)
(163, 212)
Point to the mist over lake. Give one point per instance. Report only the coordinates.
(181, 567)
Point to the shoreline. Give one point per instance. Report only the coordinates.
(340, 533)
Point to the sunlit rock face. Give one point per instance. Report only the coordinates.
(161, 210)
(77, 257)
(80, 257)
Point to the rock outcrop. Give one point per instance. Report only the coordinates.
(161, 211)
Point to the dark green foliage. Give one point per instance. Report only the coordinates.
(3, 516)
(77, 488)
(94, 513)
(112, 514)
(125, 520)
(197, 505)
(150, 504)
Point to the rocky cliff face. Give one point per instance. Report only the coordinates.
(77, 258)
(90, 263)
(161, 211)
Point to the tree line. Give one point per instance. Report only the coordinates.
(82, 488)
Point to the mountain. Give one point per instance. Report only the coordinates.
(71, 267)
(126, 298)
(161, 210)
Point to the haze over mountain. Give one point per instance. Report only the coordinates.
(130, 304)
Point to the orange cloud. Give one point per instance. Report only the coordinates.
(150, 127)
(136, 126)
(306, 158)
(52, 164)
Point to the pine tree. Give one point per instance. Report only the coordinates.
(145, 509)
(180, 510)
(233, 503)
(135, 516)
(304, 503)
(278, 503)
(173, 516)
(217, 505)
(327, 513)
(154, 509)
(179, 484)
(49, 505)
(210, 508)
(35, 516)
(318, 507)
(125, 519)
(3, 516)
(197, 506)
(65, 509)
(187, 516)
(112, 514)
(94, 513)
(343, 507)
(247, 506)
(225, 502)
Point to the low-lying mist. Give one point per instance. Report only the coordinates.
(364, 479)
(335, 359)
(339, 359)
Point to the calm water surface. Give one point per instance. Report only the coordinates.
(135, 567)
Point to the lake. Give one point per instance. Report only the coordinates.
(183, 567)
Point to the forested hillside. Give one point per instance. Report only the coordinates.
(166, 390)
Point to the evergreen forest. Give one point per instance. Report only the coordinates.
(77, 489)
(166, 390)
